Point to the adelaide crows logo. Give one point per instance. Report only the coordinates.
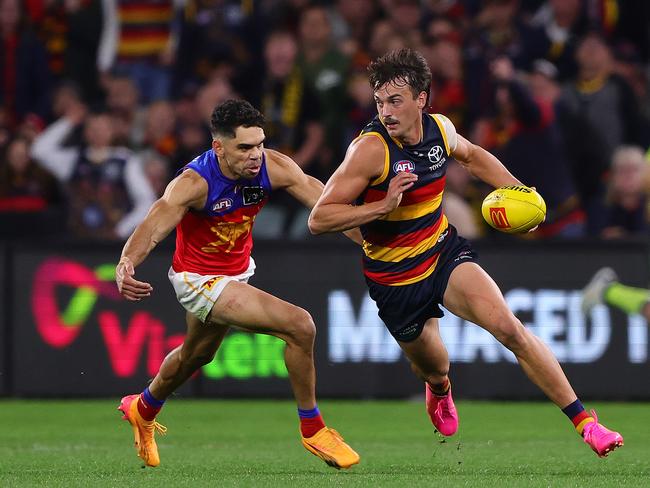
(252, 195)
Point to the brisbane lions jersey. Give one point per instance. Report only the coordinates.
(217, 239)
(403, 246)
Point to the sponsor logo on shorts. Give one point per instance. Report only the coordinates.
(499, 218)
(408, 330)
(463, 255)
(223, 204)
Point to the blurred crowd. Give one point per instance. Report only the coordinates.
(102, 101)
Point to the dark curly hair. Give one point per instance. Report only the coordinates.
(231, 114)
(404, 67)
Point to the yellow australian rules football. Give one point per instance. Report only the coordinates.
(514, 209)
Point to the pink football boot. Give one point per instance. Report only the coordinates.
(442, 411)
(601, 439)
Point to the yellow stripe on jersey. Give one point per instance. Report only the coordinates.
(384, 173)
(138, 48)
(415, 279)
(146, 16)
(414, 211)
(397, 254)
(441, 126)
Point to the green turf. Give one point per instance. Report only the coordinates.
(253, 443)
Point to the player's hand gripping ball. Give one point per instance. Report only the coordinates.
(514, 209)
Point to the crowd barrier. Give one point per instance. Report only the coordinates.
(66, 332)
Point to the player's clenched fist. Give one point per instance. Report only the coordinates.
(130, 288)
(398, 185)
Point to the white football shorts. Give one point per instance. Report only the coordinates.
(198, 293)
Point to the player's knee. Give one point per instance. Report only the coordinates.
(303, 327)
(512, 334)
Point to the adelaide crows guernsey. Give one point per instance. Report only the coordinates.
(403, 246)
(217, 239)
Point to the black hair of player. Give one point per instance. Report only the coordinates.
(229, 115)
(401, 67)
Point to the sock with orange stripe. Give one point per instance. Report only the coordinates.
(148, 406)
(578, 415)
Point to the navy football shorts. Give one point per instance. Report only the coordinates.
(405, 309)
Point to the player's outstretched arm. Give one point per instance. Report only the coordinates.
(364, 162)
(286, 174)
(482, 164)
(184, 192)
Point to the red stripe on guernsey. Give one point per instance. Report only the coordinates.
(404, 240)
(427, 192)
(133, 34)
(392, 278)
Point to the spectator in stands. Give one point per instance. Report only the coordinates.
(84, 27)
(524, 135)
(584, 149)
(361, 106)
(159, 130)
(123, 103)
(603, 99)
(192, 140)
(156, 169)
(627, 194)
(108, 193)
(325, 70)
(216, 91)
(563, 22)
(25, 81)
(192, 129)
(24, 186)
(447, 84)
(497, 31)
(382, 36)
(291, 109)
(405, 17)
(70, 32)
(212, 32)
(352, 21)
(138, 41)
(598, 113)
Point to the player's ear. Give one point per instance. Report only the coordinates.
(422, 100)
(217, 147)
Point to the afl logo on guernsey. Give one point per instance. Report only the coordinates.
(223, 204)
(404, 166)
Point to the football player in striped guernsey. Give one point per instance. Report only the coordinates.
(391, 185)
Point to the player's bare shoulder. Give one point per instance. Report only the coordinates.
(188, 189)
(366, 155)
(283, 171)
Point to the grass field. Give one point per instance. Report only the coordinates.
(255, 443)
